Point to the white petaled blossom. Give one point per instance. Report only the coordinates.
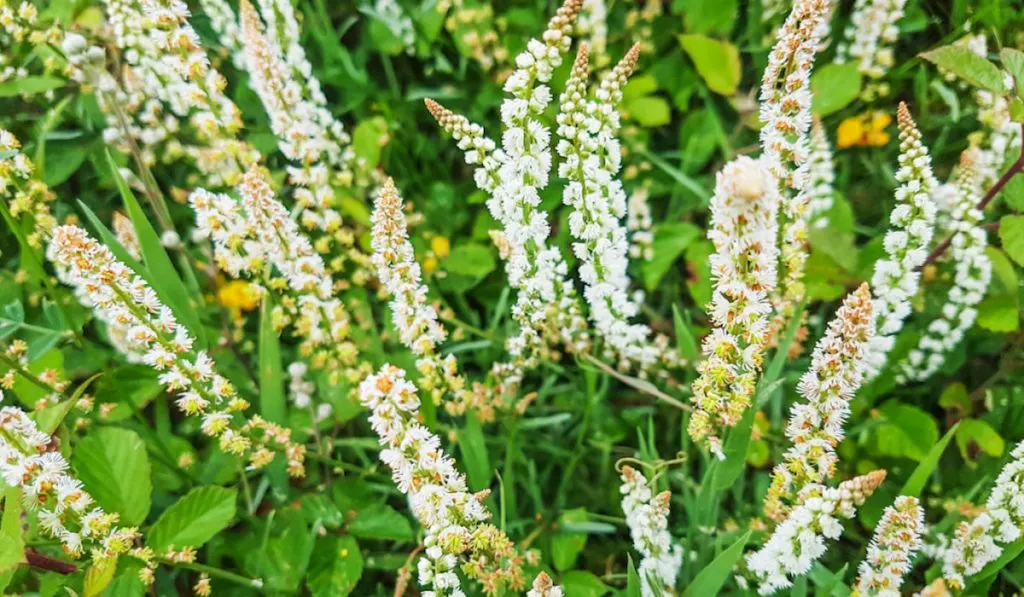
(999, 139)
(816, 426)
(547, 308)
(821, 176)
(26, 195)
(800, 540)
(896, 276)
(972, 272)
(869, 39)
(639, 223)
(543, 586)
(224, 22)
(33, 464)
(148, 330)
(591, 157)
(592, 25)
(400, 25)
(785, 111)
(415, 318)
(168, 78)
(743, 229)
(896, 541)
(452, 518)
(647, 519)
(124, 231)
(978, 542)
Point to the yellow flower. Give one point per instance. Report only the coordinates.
(441, 246)
(864, 130)
(238, 295)
(429, 265)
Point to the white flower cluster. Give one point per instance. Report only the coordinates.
(896, 540)
(415, 318)
(437, 491)
(743, 229)
(225, 23)
(391, 15)
(148, 329)
(591, 157)
(647, 519)
(1000, 137)
(544, 587)
(868, 41)
(592, 26)
(816, 427)
(785, 110)
(25, 194)
(801, 538)
(639, 223)
(301, 390)
(821, 176)
(912, 224)
(125, 233)
(972, 272)
(977, 542)
(66, 511)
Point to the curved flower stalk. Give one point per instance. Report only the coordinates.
(912, 226)
(647, 519)
(1000, 137)
(26, 196)
(547, 309)
(896, 541)
(786, 116)
(30, 462)
(416, 320)
(639, 224)
(544, 587)
(816, 427)
(801, 538)
(744, 227)
(868, 40)
(169, 68)
(821, 176)
(972, 271)
(978, 542)
(149, 330)
(258, 232)
(453, 518)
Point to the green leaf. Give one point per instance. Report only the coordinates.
(955, 398)
(1013, 60)
(924, 470)
(50, 418)
(649, 111)
(685, 342)
(967, 65)
(567, 546)
(194, 519)
(471, 260)
(999, 314)
(906, 431)
(670, 240)
(474, 454)
(380, 521)
(163, 277)
(11, 318)
(710, 16)
(368, 137)
(834, 86)
(1011, 233)
(581, 583)
(336, 566)
(711, 578)
(632, 580)
(977, 433)
(12, 545)
(113, 464)
(717, 62)
(99, 576)
(272, 402)
(30, 86)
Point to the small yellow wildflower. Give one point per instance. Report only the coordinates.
(864, 130)
(441, 246)
(238, 295)
(429, 265)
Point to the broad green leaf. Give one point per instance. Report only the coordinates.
(639, 86)
(194, 519)
(1011, 233)
(670, 240)
(30, 85)
(381, 521)
(98, 576)
(368, 138)
(649, 111)
(1013, 60)
(567, 546)
(710, 16)
(63, 160)
(906, 431)
(29, 392)
(285, 558)
(967, 65)
(272, 403)
(915, 484)
(975, 433)
(581, 583)
(164, 278)
(955, 398)
(711, 579)
(474, 454)
(113, 464)
(470, 260)
(12, 544)
(717, 62)
(834, 86)
(336, 566)
(999, 314)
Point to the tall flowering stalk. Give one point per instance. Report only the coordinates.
(972, 271)
(647, 519)
(639, 223)
(27, 197)
(785, 101)
(868, 41)
(150, 332)
(816, 426)
(978, 542)
(801, 538)
(453, 518)
(547, 309)
(31, 463)
(258, 232)
(912, 225)
(744, 226)
(896, 541)
(821, 173)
